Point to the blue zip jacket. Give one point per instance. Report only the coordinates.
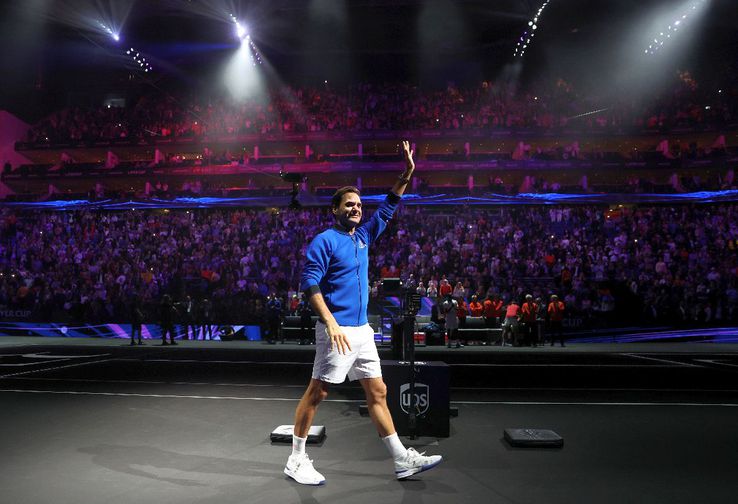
(337, 265)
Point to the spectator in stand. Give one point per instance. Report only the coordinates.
(459, 292)
(445, 288)
(294, 304)
(476, 309)
(367, 107)
(420, 289)
(82, 266)
(432, 291)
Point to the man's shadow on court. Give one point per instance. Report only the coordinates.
(126, 459)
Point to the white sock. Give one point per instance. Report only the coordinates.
(298, 445)
(395, 446)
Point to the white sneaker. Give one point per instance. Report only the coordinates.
(300, 468)
(414, 463)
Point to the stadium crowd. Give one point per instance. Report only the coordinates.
(642, 265)
(367, 107)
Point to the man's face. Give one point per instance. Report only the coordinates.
(348, 212)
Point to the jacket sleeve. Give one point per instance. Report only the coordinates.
(378, 222)
(317, 259)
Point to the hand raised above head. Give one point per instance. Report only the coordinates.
(408, 154)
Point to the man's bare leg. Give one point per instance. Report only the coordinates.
(299, 467)
(308, 405)
(407, 462)
(376, 401)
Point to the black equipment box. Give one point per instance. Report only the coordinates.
(431, 396)
(533, 438)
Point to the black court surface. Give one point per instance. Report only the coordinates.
(96, 421)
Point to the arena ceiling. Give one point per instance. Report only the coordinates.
(59, 48)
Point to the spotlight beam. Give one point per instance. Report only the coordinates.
(102, 17)
(679, 20)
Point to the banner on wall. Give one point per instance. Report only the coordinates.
(7, 313)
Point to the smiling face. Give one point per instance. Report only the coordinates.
(348, 212)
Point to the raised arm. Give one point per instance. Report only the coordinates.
(404, 179)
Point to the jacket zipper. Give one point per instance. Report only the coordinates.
(358, 277)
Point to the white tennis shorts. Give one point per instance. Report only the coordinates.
(361, 362)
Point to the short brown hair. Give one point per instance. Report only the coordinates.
(338, 195)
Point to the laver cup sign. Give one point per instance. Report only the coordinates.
(431, 396)
(422, 398)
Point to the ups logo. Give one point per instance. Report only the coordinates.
(422, 398)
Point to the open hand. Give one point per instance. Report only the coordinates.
(338, 339)
(408, 153)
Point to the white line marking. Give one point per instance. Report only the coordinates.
(717, 363)
(550, 403)
(338, 387)
(649, 366)
(361, 401)
(155, 382)
(52, 369)
(47, 355)
(590, 389)
(173, 396)
(26, 364)
(292, 363)
(677, 363)
(199, 361)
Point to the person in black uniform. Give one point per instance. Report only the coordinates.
(136, 320)
(540, 322)
(206, 309)
(307, 336)
(167, 313)
(274, 317)
(190, 313)
(529, 312)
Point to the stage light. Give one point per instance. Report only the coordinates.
(141, 62)
(241, 30)
(686, 12)
(529, 33)
(107, 29)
